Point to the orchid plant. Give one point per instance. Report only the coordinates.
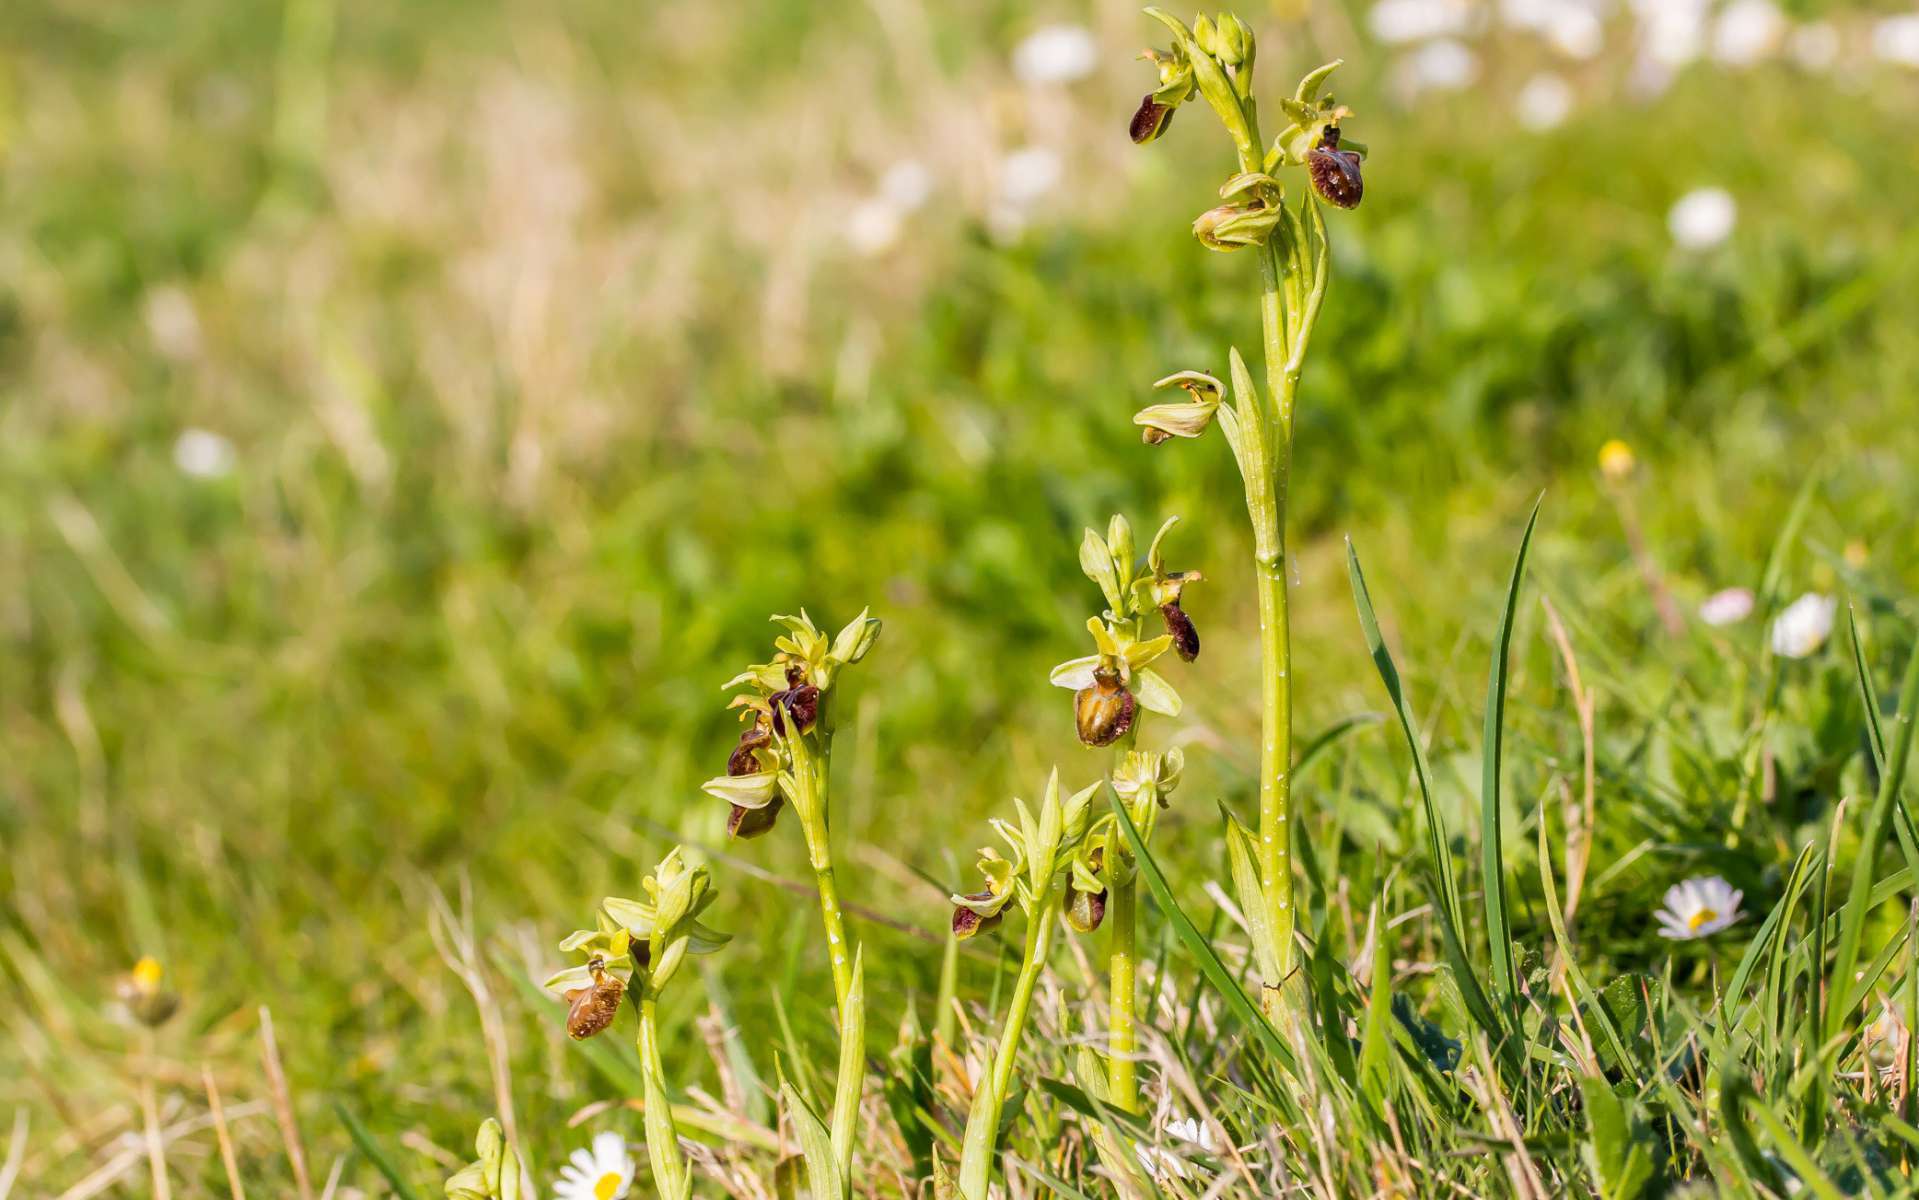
(1110, 688)
(636, 948)
(784, 756)
(1041, 877)
(1213, 59)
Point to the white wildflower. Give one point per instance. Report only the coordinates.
(1747, 32)
(602, 1173)
(1400, 21)
(1544, 102)
(1726, 607)
(1804, 626)
(203, 454)
(1699, 908)
(1441, 66)
(1814, 46)
(1164, 1164)
(1055, 54)
(906, 185)
(1702, 218)
(1896, 40)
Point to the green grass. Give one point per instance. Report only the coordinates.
(549, 380)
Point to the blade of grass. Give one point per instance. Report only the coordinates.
(1214, 970)
(1852, 929)
(374, 1153)
(1499, 933)
(1445, 887)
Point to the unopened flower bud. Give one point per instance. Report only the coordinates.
(1150, 120)
(1085, 910)
(1335, 173)
(1104, 711)
(1235, 226)
(591, 1009)
(1180, 626)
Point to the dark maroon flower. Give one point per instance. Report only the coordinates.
(1149, 120)
(1180, 626)
(1335, 172)
(801, 699)
(748, 823)
(743, 761)
(967, 923)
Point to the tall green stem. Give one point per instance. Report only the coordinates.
(662, 1140)
(1267, 476)
(811, 772)
(1039, 943)
(982, 1123)
(1122, 1080)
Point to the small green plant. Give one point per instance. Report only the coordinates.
(494, 1174)
(1043, 875)
(636, 948)
(1213, 59)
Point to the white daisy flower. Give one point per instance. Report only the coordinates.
(603, 1173)
(906, 185)
(1164, 1164)
(1702, 218)
(1883, 1038)
(1699, 908)
(202, 454)
(1726, 607)
(1747, 32)
(1896, 40)
(1544, 102)
(1441, 66)
(1804, 626)
(1399, 21)
(1055, 54)
(1814, 46)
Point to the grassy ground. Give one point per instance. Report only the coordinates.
(549, 375)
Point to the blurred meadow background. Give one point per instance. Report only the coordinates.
(411, 414)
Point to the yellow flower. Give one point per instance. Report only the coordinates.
(1857, 554)
(141, 991)
(1616, 460)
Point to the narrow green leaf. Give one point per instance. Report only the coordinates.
(1858, 900)
(1196, 944)
(852, 1067)
(374, 1153)
(1437, 848)
(1618, 1152)
(1499, 931)
(816, 1145)
(1444, 891)
(1242, 854)
(1376, 1040)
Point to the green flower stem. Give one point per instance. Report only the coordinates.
(1268, 466)
(662, 1141)
(1122, 1082)
(811, 773)
(1039, 943)
(982, 1123)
